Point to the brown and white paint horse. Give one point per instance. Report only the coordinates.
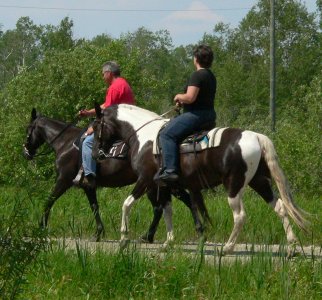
(243, 158)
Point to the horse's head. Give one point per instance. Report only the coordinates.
(105, 132)
(33, 140)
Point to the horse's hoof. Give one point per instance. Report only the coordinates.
(292, 251)
(124, 244)
(167, 246)
(146, 239)
(228, 249)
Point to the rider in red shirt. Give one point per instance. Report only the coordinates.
(119, 91)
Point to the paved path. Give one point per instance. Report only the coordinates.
(211, 251)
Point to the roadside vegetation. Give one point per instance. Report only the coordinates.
(46, 68)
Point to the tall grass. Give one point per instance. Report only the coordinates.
(20, 244)
(132, 275)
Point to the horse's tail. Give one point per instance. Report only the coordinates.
(270, 156)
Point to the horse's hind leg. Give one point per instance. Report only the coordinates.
(193, 205)
(91, 196)
(239, 214)
(262, 185)
(161, 202)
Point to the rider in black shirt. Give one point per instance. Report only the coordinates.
(199, 113)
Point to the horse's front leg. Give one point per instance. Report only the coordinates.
(138, 191)
(167, 213)
(148, 237)
(158, 199)
(91, 196)
(126, 208)
(60, 188)
(194, 201)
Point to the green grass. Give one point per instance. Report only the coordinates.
(71, 215)
(68, 275)
(131, 275)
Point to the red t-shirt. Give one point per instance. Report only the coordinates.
(119, 92)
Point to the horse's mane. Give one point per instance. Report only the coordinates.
(141, 112)
(60, 122)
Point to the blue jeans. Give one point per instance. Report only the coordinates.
(89, 164)
(178, 129)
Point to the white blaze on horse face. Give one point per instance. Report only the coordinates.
(144, 122)
(251, 153)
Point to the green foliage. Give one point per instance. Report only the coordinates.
(299, 138)
(20, 244)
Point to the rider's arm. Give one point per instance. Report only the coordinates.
(188, 97)
(89, 112)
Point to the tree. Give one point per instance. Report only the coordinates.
(297, 40)
(18, 49)
(243, 58)
(57, 37)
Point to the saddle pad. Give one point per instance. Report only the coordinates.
(214, 136)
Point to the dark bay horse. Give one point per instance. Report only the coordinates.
(242, 158)
(112, 172)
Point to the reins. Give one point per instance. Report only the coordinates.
(53, 140)
(175, 108)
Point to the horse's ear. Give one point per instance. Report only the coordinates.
(98, 110)
(33, 114)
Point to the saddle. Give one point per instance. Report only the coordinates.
(196, 142)
(118, 149)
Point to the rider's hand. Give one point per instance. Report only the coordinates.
(89, 131)
(177, 101)
(83, 113)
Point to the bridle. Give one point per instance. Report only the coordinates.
(25, 146)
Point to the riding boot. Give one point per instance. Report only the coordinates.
(79, 177)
